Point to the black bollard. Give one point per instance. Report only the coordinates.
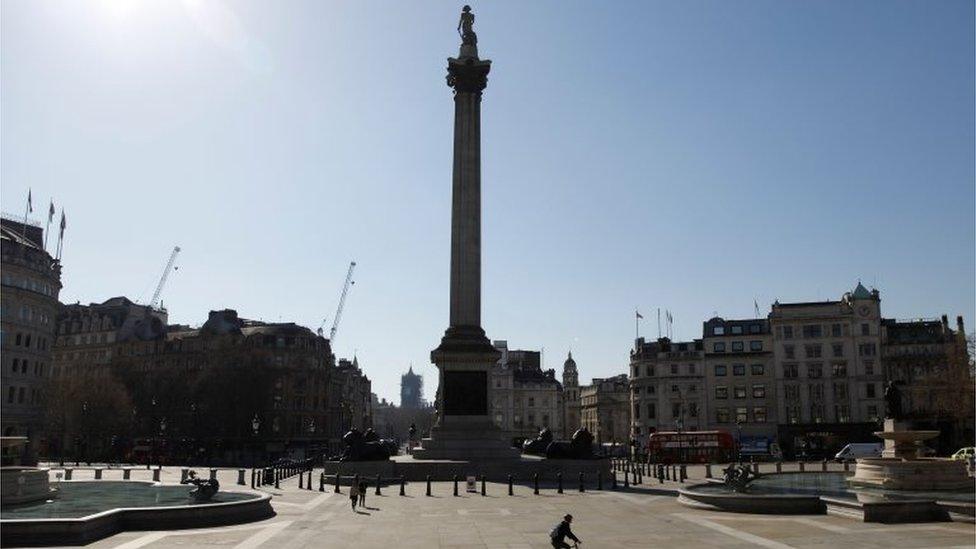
(337, 489)
(455, 485)
(276, 483)
(322, 482)
(252, 479)
(301, 481)
(403, 487)
(599, 480)
(626, 479)
(378, 485)
(613, 480)
(428, 485)
(582, 486)
(482, 485)
(308, 484)
(535, 481)
(640, 474)
(510, 490)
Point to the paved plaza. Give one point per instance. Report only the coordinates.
(642, 516)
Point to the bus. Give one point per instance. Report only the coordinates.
(691, 447)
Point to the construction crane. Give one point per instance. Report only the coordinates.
(342, 303)
(162, 280)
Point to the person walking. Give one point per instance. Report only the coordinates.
(353, 494)
(562, 531)
(362, 493)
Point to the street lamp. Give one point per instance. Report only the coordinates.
(87, 429)
(738, 440)
(255, 424)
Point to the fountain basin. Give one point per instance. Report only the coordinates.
(912, 474)
(84, 511)
(23, 484)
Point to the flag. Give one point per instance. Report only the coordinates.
(30, 207)
(50, 213)
(638, 314)
(63, 223)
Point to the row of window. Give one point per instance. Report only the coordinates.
(20, 366)
(724, 415)
(678, 410)
(740, 370)
(815, 350)
(842, 413)
(28, 283)
(651, 389)
(739, 391)
(737, 346)
(737, 329)
(791, 393)
(815, 331)
(816, 370)
(25, 340)
(18, 395)
(675, 370)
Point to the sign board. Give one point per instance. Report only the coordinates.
(472, 484)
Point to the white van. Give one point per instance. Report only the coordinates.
(857, 450)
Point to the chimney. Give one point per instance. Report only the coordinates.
(960, 326)
(945, 323)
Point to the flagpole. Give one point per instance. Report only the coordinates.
(23, 232)
(47, 228)
(659, 323)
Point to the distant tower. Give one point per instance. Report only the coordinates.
(411, 390)
(571, 397)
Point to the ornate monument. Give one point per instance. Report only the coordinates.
(464, 429)
(205, 489)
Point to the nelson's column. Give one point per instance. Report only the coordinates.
(464, 429)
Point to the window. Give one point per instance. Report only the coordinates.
(815, 370)
(531, 404)
(674, 389)
(718, 330)
(758, 391)
(838, 349)
(636, 371)
(812, 331)
(793, 414)
(789, 351)
(691, 369)
(759, 414)
(531, 419)
(692, 409)
(650, 389)
(835, 330)
(20, 395)
(873, 412)
(865, 329)
(718, 347)
(790, 370)
(720, 370)
(754, 328)
(737, 346)
(721, 392)
(755, 345)
(869, 367)
(840, 391)
(816, 392)
(742, 415)
(15, 365)
(791, 393)
(674, 369)
(675, 410)
(692, 388)
(843, 413)
(758, 369)
(10, 395)
(867, 349)
(839, 370)
(722, 415)
(870, 388)
(651, 411)
(736, 330)
(650, 370)
(816, 413)
(739, 391)
(738, 369)
(636, 410)
(787, 332)
(17, 340)
(813, 351)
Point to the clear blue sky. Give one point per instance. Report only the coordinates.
(692, 156)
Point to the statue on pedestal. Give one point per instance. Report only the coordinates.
(362, 447)
(892, 397)
(581, 447)
(538, 445)
(738, 476)
(465, 24)
(205, 488)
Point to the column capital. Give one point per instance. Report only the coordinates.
(467, 75)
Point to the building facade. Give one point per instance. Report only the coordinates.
(31, 282)
(829, 378)
(524, 398)
(740, 381)
(666, 387)
(605, 409)
(929, 362)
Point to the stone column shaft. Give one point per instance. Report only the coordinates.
(466, 212)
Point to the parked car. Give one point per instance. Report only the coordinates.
(856, 450)
(965, 454)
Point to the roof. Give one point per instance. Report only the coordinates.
(860, 292)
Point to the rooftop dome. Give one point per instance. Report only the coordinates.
(570, 363)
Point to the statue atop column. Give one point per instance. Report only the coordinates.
(465, 24)
(892, 397)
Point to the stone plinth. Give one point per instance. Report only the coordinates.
(24, 484)
(411, 468)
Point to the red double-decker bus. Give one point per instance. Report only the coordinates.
(691, 447)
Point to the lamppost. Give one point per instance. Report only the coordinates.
(152, 455)
(738, 439)
(311, 433)
(162, 434)
(255, 427)
(193, 435)
(87, 430)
